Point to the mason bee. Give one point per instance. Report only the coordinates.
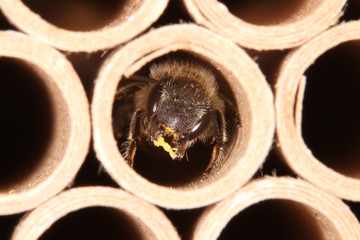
(177, 105)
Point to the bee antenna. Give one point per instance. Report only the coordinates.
(143, 79)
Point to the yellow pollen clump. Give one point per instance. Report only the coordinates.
(160, 142)
(168, 130)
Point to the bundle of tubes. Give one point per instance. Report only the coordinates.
(258, 139)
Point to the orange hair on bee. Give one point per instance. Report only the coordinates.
(173, 68)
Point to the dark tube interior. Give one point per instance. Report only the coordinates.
(94, 223)
(25, 123)
(351, 11)
(265, 12)
(154, 163)
(273, 219)
(79, 15)
(331, 113)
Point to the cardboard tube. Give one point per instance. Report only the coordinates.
(148, 220)
(68, 142)
(314, 213)
(290, 142)
(252, 95)
(266, 25)
(133, 17)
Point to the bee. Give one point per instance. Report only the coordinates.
(177, 105)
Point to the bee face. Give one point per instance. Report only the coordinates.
(179, 112)
(177, 105)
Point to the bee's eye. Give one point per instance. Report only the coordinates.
(154, 98)
(200, 127)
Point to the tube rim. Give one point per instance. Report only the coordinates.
(143, 50)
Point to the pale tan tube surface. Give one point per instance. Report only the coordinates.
(133, 18)
(327, 215)
(286, 25)
(291, 78)
(151, 223)
(252, 94)
(70, 137)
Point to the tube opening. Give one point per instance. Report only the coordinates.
(26, 123)
(268, 12)
(83, 15)
(277, 219)
(97, 223)
(331, 113)
(155, 163)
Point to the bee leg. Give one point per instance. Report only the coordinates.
(127, 92)
(124, 98)
(132, 84)
(181, 149)
(130, 144)
(233, 111)
(220, 138)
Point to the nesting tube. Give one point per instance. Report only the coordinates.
(339, 176)
(252, 96)
(145, 220)
(83, 27)
(41, 158)
(266, 25)
(299, 209)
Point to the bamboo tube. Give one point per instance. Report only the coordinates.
(252, 95)
(295, 151)
(149, 221)
(131, 18)
(314, 213)
(266, 25)
(68, 142)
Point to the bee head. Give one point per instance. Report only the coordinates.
(179, 112)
